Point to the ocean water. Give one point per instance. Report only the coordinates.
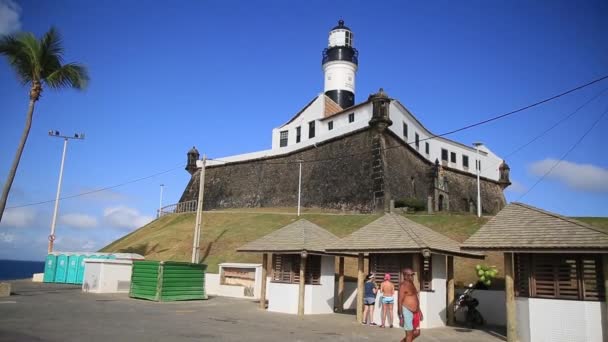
(17, 269)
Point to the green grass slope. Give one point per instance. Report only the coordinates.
(170, 237)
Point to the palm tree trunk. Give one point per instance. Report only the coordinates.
(13, 170)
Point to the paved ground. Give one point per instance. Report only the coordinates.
(52, 312)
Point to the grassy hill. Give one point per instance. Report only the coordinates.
(170, 237)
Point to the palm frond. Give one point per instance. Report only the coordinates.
(31, 50)
(18, 57)
(50, 44)
(70, 75)
(50, 53)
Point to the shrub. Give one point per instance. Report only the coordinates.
(413, 203)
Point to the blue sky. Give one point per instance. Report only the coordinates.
(167, 75)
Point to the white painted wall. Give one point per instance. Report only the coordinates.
(339, 75)
(214, 288)
(489, 161)
(318, 299)
(433, 304)
(107, 276)
(522, 312)
(553, 320)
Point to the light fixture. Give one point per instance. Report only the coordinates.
(426, 253)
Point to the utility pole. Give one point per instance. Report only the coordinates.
(56, 134)
(299, 186)
(199, 211)
(160, 202)
(478, 167)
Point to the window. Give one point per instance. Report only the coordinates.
(405, 130)
(453, 157)
(283, 142)
(311, 130)
(392, 264)
(427, 148)
(478, 164)
(286, 269)
(330, 125)
(417, 140)
(559, 276)
(298, 132)
(444, 154)
(426, 274)
(465, 161)
(351, 117)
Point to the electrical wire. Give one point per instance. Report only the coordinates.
(564, 155)
(479, 123)
(521, 147)
(98, 190)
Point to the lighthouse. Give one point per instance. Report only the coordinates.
(340, 62)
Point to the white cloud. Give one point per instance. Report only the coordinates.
(18, 217)
(125, 217)
(9, 17)
(74, 244)
(7, 237)
(516, 187)
(582, 177)
(78, 221)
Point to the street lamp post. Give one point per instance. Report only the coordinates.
(199, 212)
(299, 186)
(160, 202)
(478, 167)
(56, 134)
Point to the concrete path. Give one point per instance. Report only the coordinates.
(52, 312)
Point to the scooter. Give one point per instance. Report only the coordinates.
(473, 317)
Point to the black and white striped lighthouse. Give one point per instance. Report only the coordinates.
(340, 61)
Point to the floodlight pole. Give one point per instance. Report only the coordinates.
(199, 212)
(160, 202)
(55, 210)
(478, 167)
(299, 186)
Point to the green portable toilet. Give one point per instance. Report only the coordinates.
(72, 269)
(80, 272)
(50, 266)
(62, 267)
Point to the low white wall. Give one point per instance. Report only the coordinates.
(553, 320)
(107, 276)
(492, 306)
(214, 288)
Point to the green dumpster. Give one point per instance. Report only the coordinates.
(165, 281)
(50, 266)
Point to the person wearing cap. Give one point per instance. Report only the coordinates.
(369, 299)
(388, 291)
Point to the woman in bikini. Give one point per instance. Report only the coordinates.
(388, 291)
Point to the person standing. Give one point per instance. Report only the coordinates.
(369, 299)
(388, 291)
(409, 304)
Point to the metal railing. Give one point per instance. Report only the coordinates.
(182, 207)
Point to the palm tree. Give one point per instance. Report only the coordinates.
(37, 62)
